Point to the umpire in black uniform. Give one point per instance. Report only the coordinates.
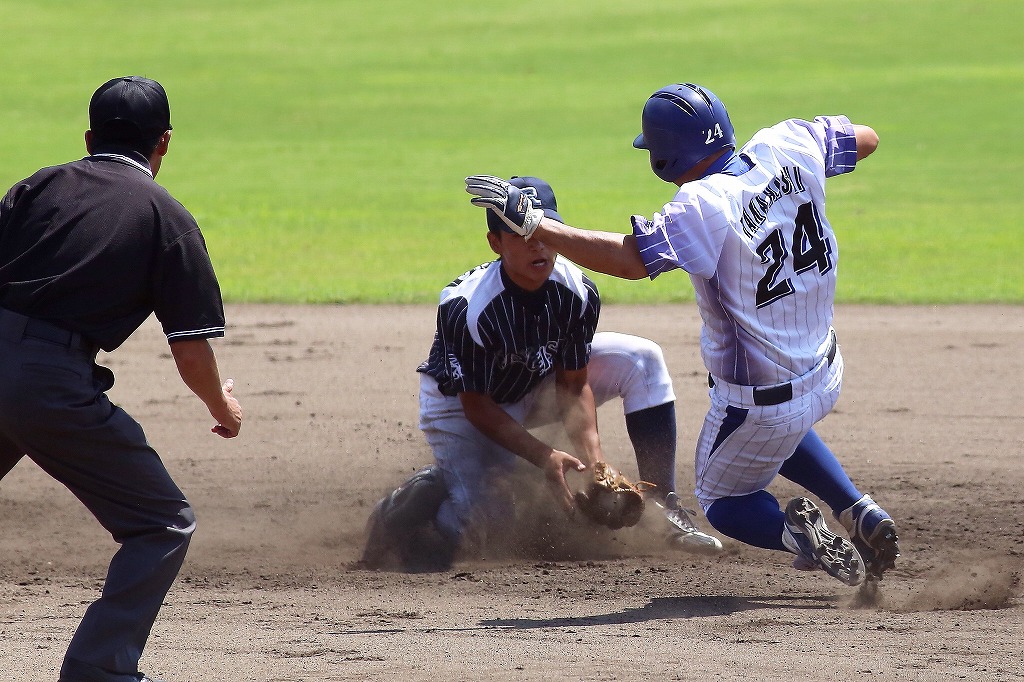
(88, 250)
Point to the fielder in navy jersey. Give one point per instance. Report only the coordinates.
(515, 347)
(749, 226)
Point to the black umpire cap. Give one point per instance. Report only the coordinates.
(130, 108)
(540, 194)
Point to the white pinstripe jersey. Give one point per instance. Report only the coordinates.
(759, 250)
(494, 338)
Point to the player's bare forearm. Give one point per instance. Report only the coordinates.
(867, 140)
(579, 414)
(197, 366)
(608, 252)
(492, 421)
(483, 413)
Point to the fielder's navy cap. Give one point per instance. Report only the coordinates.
(130, 106)
(540, 194)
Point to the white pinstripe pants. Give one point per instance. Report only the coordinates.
(742, 445)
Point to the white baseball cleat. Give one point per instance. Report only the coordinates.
(684, 533)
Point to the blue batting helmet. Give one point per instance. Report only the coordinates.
(682, 125)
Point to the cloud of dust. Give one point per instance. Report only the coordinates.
(988, 583)
(540, 530)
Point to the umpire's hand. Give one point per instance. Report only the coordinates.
(229, 424)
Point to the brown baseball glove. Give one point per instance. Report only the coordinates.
(611, 500)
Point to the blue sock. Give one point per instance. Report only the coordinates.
(653, 434)
(815, 468)
(755, 519)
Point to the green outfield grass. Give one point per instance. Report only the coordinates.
(323, 144)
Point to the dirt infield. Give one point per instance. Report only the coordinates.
(930, 424)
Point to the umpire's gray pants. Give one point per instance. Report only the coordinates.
(53, 408)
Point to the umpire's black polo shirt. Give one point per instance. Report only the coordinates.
(96, 245)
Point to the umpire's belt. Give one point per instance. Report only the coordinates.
(764, 396)
(15, 327)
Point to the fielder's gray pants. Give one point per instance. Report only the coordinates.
(54, 408)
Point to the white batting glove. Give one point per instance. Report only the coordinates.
(514, 207)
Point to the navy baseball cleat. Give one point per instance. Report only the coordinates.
(379, 542)
(873, 533)
(401, 527)
(684, 533)
(807, 536)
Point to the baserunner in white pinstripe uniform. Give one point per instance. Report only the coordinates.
(749, 226)
(516, 346)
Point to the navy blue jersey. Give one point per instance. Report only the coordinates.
(495, 338)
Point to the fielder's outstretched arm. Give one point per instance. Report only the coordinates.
(579, 413)
(492, 421)
(606, 252)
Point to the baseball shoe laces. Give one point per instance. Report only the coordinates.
(684, 532)
(807, 536)
(873, 533)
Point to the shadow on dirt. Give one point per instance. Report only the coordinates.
(666, 608)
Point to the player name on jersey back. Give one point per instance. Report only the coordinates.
(785, 183)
